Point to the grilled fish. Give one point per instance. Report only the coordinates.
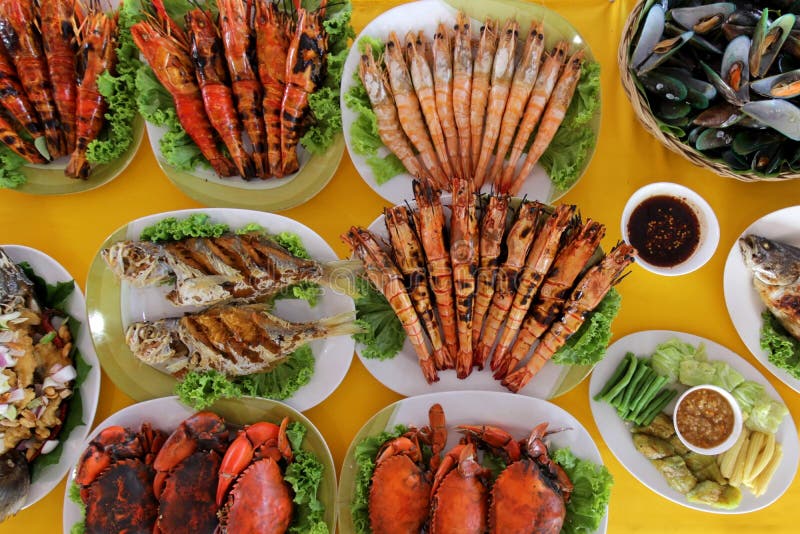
(233, 340)
(776, 276)
(208, 271)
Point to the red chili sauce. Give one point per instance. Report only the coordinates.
(704, 418)
(665, 230)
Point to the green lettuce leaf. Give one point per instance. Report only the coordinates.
(766, 415)
(667, 358)
(748, 394)
(384, 334)
(172, 229)
(782, 349)
(304, 474)
(293, 244)
(588, 345)
(74, 495)
(591, 494)
(10, 163)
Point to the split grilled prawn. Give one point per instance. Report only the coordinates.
(24, 46)
(14, 100)
(306, 63)
(552, 118)
(462, 90)
(519, 240)
(521, 88)
(422, 79)
(169, 58)
(26, 149)
(233, 22)
(385, 276)
(586, 296)
(556, 288)
(58, 18)
(206, 48)
(540, 259)
(502, 75)
(429, 220)
(408, 110)
(410, 258)
(272, 45)
(542, 89)
(443, 84)
(481, 77)
(464, 248)
(493, 227)
(389, 129)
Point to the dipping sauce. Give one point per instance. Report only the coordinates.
(704, 418)
(665, 230)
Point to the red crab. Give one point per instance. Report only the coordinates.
(260, 500)
(460, 497)
(190, 457)
(531, 493)
(115, 474)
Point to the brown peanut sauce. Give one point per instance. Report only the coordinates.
(705, 418)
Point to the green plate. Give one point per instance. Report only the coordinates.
(50, 179)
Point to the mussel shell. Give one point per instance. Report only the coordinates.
(778, 114)
(768, 39)
(719, 116)
(713, 138)
(651, 33)
(735, 161)
(694, 133)
(722, 86)
(657, 58)
(748, 141)
(785, 85)
(667, 87)
(786, 61)
(735, 57)
(703, 19)
(767, 160)
(670, 111)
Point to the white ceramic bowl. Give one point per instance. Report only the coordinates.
(709, 227)
(737, 422)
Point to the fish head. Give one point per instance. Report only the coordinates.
(15, 483)
(772, 262)
(16, 290)
(152, 343)
(139, 262)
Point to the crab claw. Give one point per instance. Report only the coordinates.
(495, 438)
(113, 441)
(405, 445)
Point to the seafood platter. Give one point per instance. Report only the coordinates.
(718, 83)
(68, 121)
(159, 316)
(461, 451)
(448, 85)
(754, 470)
(157, 462)
(50, 378)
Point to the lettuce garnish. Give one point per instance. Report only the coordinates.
(383, 335)
(592, 490)
(782, 349)
(588, 345)
(304, 474)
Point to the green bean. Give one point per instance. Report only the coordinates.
(620, 370)
(641, 371)
(619, 386)
(661, 400)
(638, 395)
(650, 393)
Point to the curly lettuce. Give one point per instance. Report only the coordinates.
(588, 345)
(591, 493)
(10, 163)
(782, 349)
(383, 335)
(74, 495)
(172, 229)
(304, 475)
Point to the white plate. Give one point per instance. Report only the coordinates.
(741, 298)
(52, 271)
(618, 437)
(426, 15)
(113, 306)
(167, 413)
(517, 415)
(403, 375)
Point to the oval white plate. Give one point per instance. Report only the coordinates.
(426, 15)
(518, 415)
(403, 375)
(52, 271)
(112, 306)
(618, 437)
(167, 413)
(741, 298)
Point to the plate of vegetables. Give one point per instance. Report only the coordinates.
(633, 394)
(447, 109)
(157, 440)
(49, 375)
(221, 303)
(446, 329)
(260, 130)
(763, 267)
(573, 487)
(68, 92)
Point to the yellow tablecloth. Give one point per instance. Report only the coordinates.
(71, 228)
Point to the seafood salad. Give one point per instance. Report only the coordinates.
(723, 78)
(37, 377)
(248, 82)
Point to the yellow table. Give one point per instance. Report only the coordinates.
(71, 228)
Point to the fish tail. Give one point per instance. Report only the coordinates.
(341, 324)
(341, 276)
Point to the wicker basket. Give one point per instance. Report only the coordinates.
(642, 110)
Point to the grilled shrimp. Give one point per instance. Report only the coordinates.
(519, 240)
(14, 100)
(209, 65)
(385, 276)
(555, 289)
(481, 75)
(462, 90)
(542, 89)
(586, 296)
(553, 116)
(410, 258)
(443, 84)
(26, 149)
(542, 254)
(23, 44)
(464, 256)
(502, 74)
(521, 88)
(408, 110)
